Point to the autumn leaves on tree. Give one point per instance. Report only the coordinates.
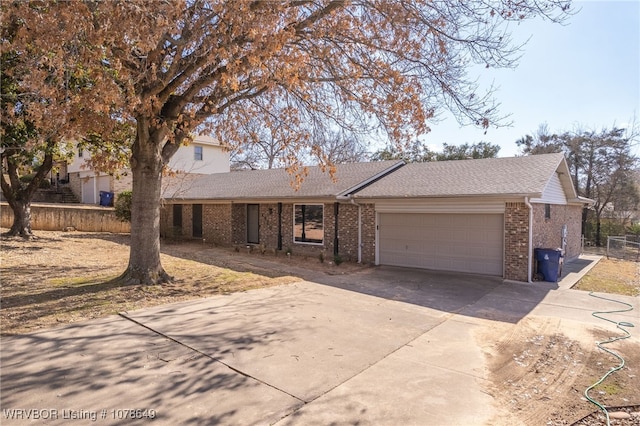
(178, 67)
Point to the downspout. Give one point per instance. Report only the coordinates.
(336, 241)
(530, 248)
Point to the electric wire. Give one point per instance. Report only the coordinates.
(619, 325)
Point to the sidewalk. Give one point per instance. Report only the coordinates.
(574, 270)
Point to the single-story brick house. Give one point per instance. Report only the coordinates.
(478, 216)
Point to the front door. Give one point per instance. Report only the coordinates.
(253, 223)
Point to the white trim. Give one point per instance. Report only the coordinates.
(530, 248)
(440, 205)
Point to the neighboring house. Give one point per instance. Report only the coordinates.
(477, 216)
(204, 155)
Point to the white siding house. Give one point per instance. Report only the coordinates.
(204, 155)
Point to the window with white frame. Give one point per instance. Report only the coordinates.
(197, 153)
(308, 223)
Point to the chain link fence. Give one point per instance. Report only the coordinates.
(624, 247)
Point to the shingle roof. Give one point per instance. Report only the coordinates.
(518, 176)
(492, 176)
(273, 183)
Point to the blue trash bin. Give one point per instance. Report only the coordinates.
(548, 261)
(106, 198)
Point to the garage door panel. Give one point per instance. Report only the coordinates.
(455, 242)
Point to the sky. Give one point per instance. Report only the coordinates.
(584, 73)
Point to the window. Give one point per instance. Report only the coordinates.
(197, 153)
(547, 211)
(308, 223)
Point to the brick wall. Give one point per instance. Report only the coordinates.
(226, 225)
(287, 226)
(216, 224)
(368, 233)
(348, 232)
(238, 224)
(121, 183)
(269, 225)
(516, 241)
(329, 229)
(547, 233)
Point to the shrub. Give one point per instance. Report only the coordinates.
(634, 229)
(44, 183)
(123, 206)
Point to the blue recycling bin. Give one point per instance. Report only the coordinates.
(549, 261)
(106, 198)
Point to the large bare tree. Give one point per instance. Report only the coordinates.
(359, 65)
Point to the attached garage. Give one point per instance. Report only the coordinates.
(471, 243)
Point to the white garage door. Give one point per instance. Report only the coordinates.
(452, 242)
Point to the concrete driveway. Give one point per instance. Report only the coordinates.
(386, 346)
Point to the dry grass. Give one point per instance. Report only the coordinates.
(64, 277)
(60, 278)
(613, 276)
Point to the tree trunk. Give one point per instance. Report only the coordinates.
(585, 218)
(18, 196)
(21, 219)
(598, 229)
(146, 166)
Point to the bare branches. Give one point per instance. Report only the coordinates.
(392, 65)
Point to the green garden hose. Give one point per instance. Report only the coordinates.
(619, 325)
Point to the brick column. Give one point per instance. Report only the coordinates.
(516, 241)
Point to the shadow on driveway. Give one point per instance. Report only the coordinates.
(465, 294)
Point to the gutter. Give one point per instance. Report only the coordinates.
(530, 248)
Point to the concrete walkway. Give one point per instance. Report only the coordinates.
(386, 346)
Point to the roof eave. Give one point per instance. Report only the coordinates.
(492, 195)
(582, 200)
